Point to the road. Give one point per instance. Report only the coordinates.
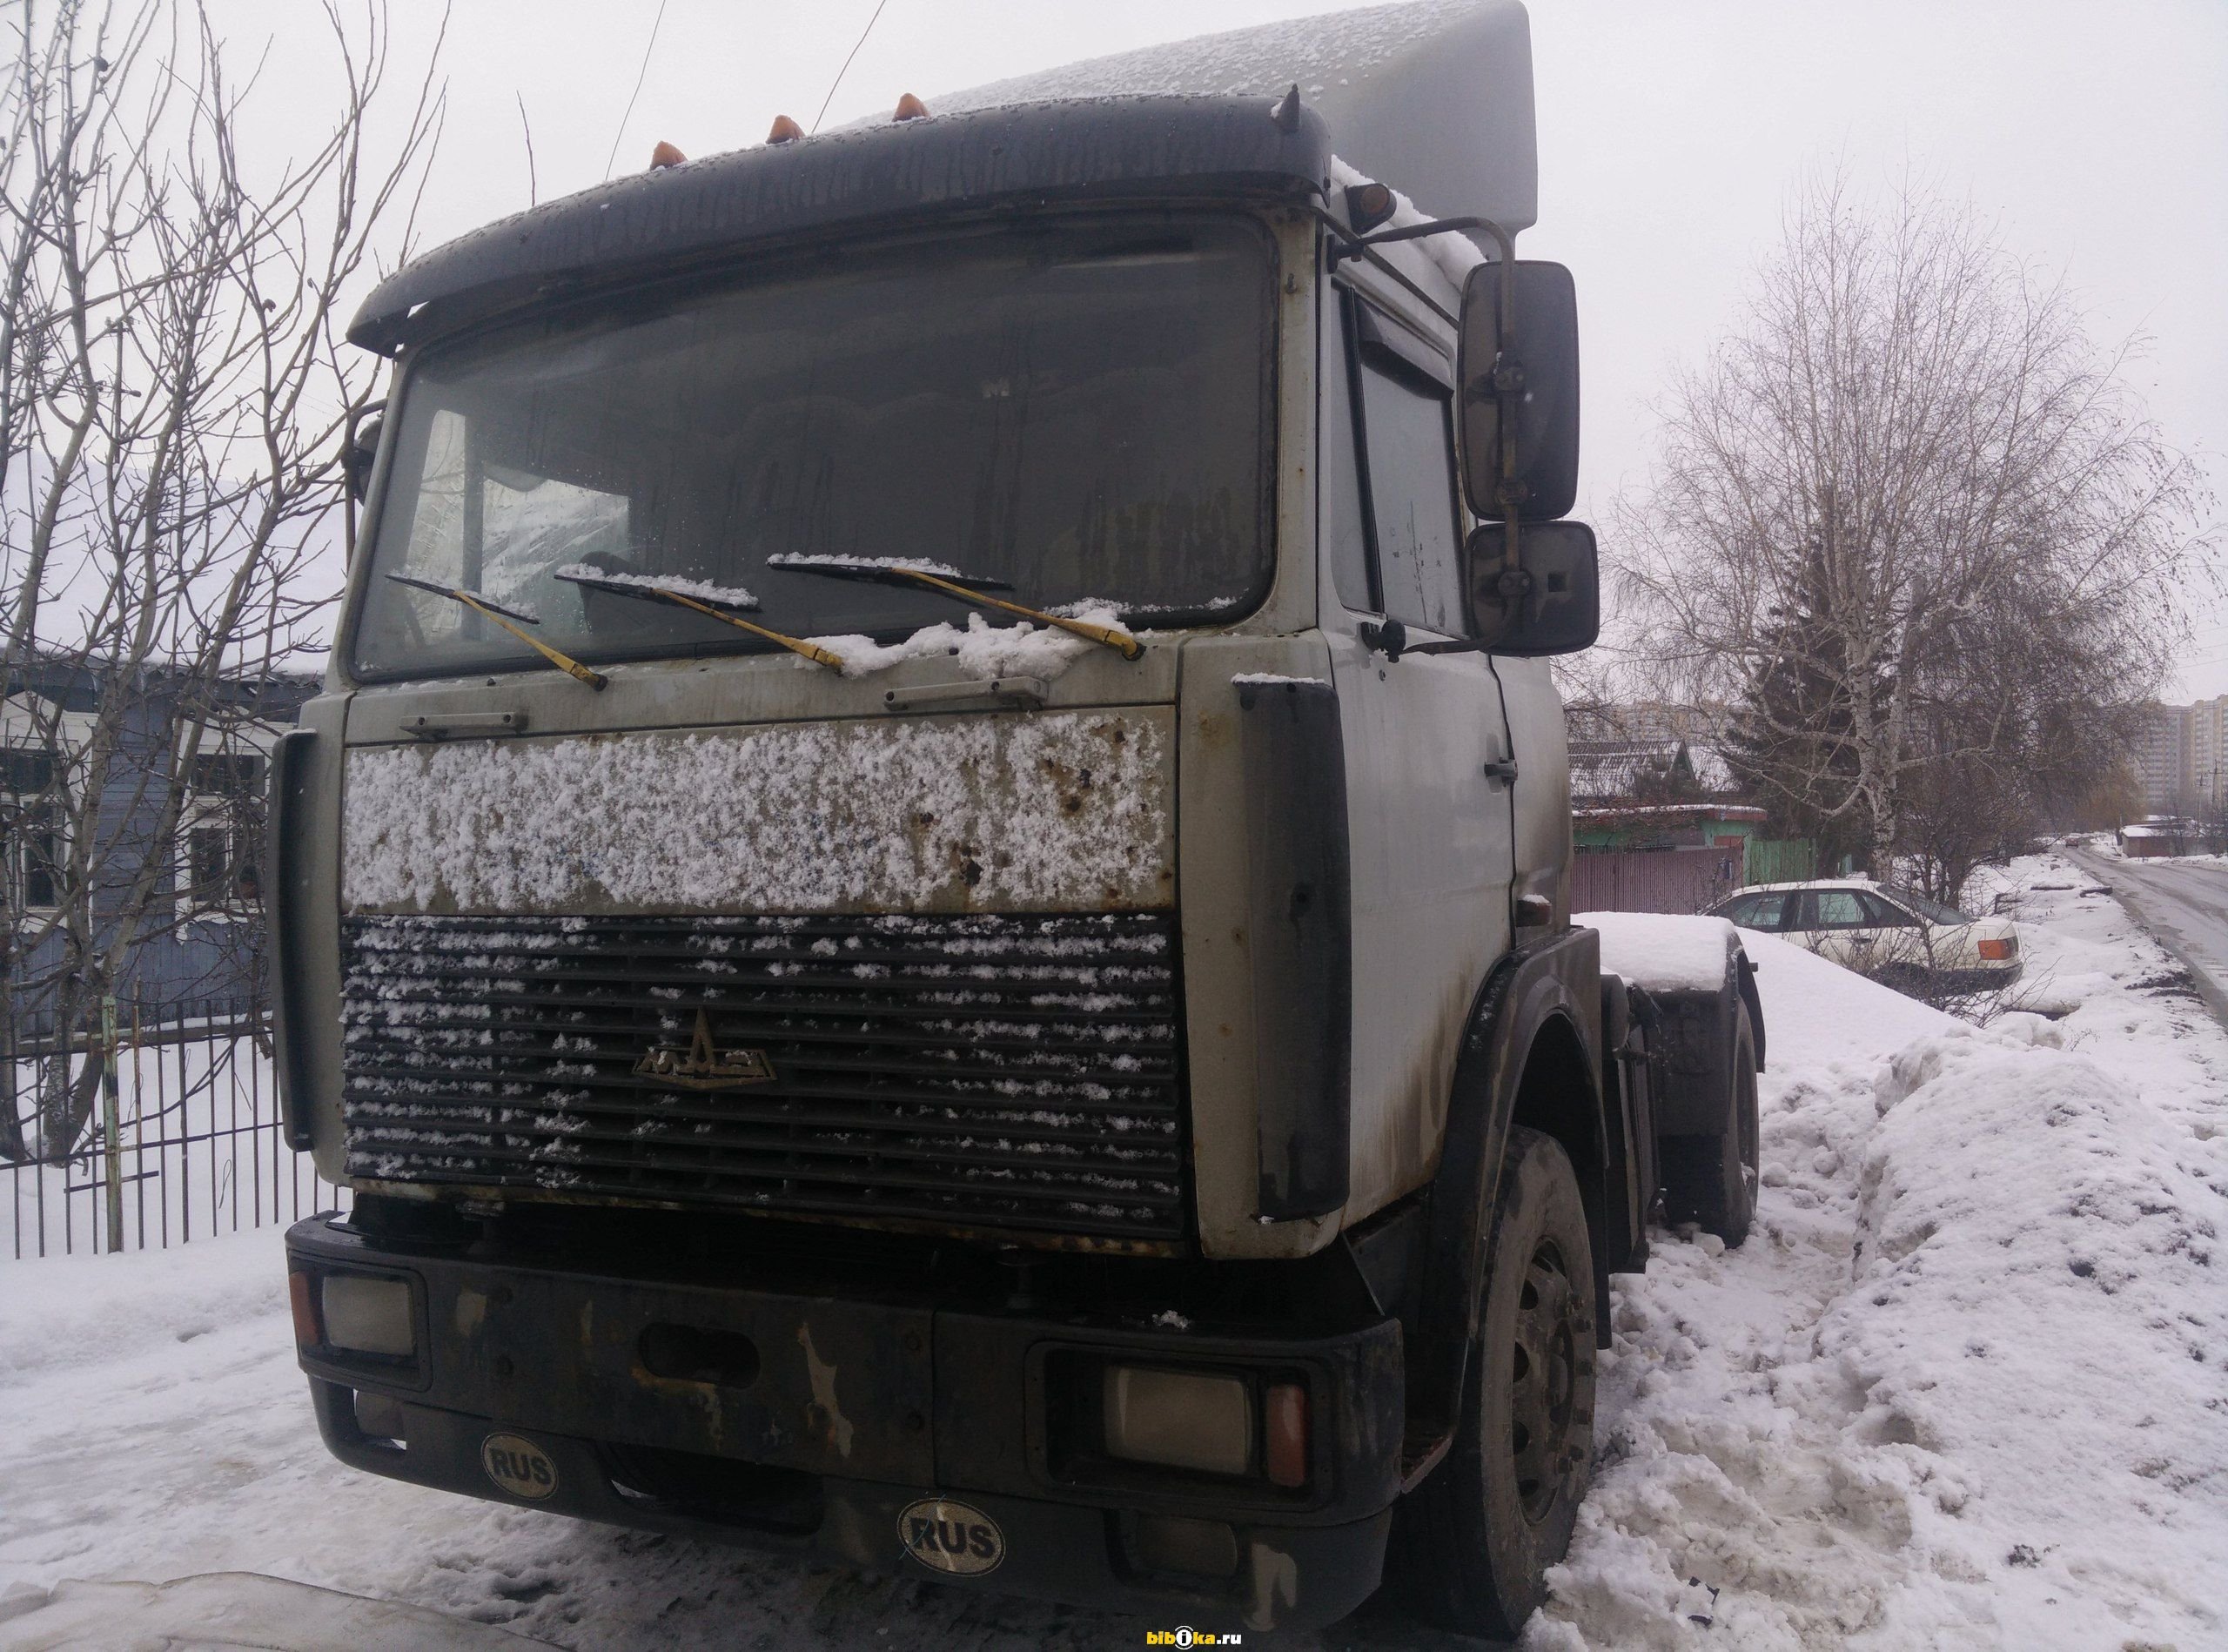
(2183, 904)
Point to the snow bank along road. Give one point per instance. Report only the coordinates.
(1967, 1385)
(2184, 904)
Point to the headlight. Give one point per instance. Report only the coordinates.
(1180, 1418)
(365, 1315)
(1206, 1423)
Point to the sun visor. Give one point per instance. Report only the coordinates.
(1433, 99)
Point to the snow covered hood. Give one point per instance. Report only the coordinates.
(1065, 811)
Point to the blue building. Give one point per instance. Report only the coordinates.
(170, 852)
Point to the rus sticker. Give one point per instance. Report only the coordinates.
(953, 1537)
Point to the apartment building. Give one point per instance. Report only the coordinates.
(2183, 754)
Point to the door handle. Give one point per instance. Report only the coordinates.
(1503, 771)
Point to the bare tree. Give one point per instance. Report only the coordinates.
(172, 390)
(1907, 517)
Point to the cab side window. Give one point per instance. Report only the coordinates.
(1407, 438)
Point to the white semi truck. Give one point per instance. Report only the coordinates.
(927, 906)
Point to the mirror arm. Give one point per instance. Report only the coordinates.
(1353, 245)
(1454, 644)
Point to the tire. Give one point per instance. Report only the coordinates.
(1711, 1180)
(1471, 1544)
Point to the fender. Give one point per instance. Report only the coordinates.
(1689, 1052)
(1558, 978)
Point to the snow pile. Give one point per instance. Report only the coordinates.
(1965, 1384)
(1663, 952)
(1064, 811)
(981, 649)
(62, 1314)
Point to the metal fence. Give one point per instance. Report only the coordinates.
(1781, 860)
(184, 1140)
(1653, 880)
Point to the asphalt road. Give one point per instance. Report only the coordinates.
(2184, 905)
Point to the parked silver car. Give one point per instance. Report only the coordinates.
(1882, 930)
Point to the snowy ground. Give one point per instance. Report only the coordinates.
(1965, 1387)
(2184, 901)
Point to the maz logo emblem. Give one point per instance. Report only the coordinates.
(703, 1067)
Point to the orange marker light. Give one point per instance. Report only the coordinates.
(785, 131)
(299, 1296)
(1287, 1432)
(665, 154)
(909, 108)
(1369, 206)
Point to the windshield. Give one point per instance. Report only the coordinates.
(1932, 911)
(1078, 414)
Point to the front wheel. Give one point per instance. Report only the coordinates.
(1472, 1543)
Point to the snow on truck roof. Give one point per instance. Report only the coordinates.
(1434, 98)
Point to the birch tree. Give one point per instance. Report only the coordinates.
(1906, 517)
(173, 391)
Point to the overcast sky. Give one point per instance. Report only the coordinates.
(2094, 131)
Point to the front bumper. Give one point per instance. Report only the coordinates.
(839, 1420)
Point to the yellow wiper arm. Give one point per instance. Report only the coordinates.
(1120, 641)
(503, 616)
(648, 591)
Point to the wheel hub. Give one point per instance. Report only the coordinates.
(1543, 1390)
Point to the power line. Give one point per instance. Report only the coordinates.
(846, 69)
(643, 74)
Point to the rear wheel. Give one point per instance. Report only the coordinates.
(1711, 1180)
(1473, 1542)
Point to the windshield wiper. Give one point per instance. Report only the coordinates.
(503, 616)
(949, 582)
(645, 588)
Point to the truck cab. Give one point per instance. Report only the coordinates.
(927, 904)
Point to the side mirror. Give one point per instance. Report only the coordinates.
(1549, 603)
(358, 456)
(1516, 363)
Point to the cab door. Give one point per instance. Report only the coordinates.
(1430, 829)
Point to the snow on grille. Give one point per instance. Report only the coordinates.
(1060, 811)
(979, 1069)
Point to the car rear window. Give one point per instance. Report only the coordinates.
(1757, 911)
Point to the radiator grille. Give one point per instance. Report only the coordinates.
(987, 1070)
